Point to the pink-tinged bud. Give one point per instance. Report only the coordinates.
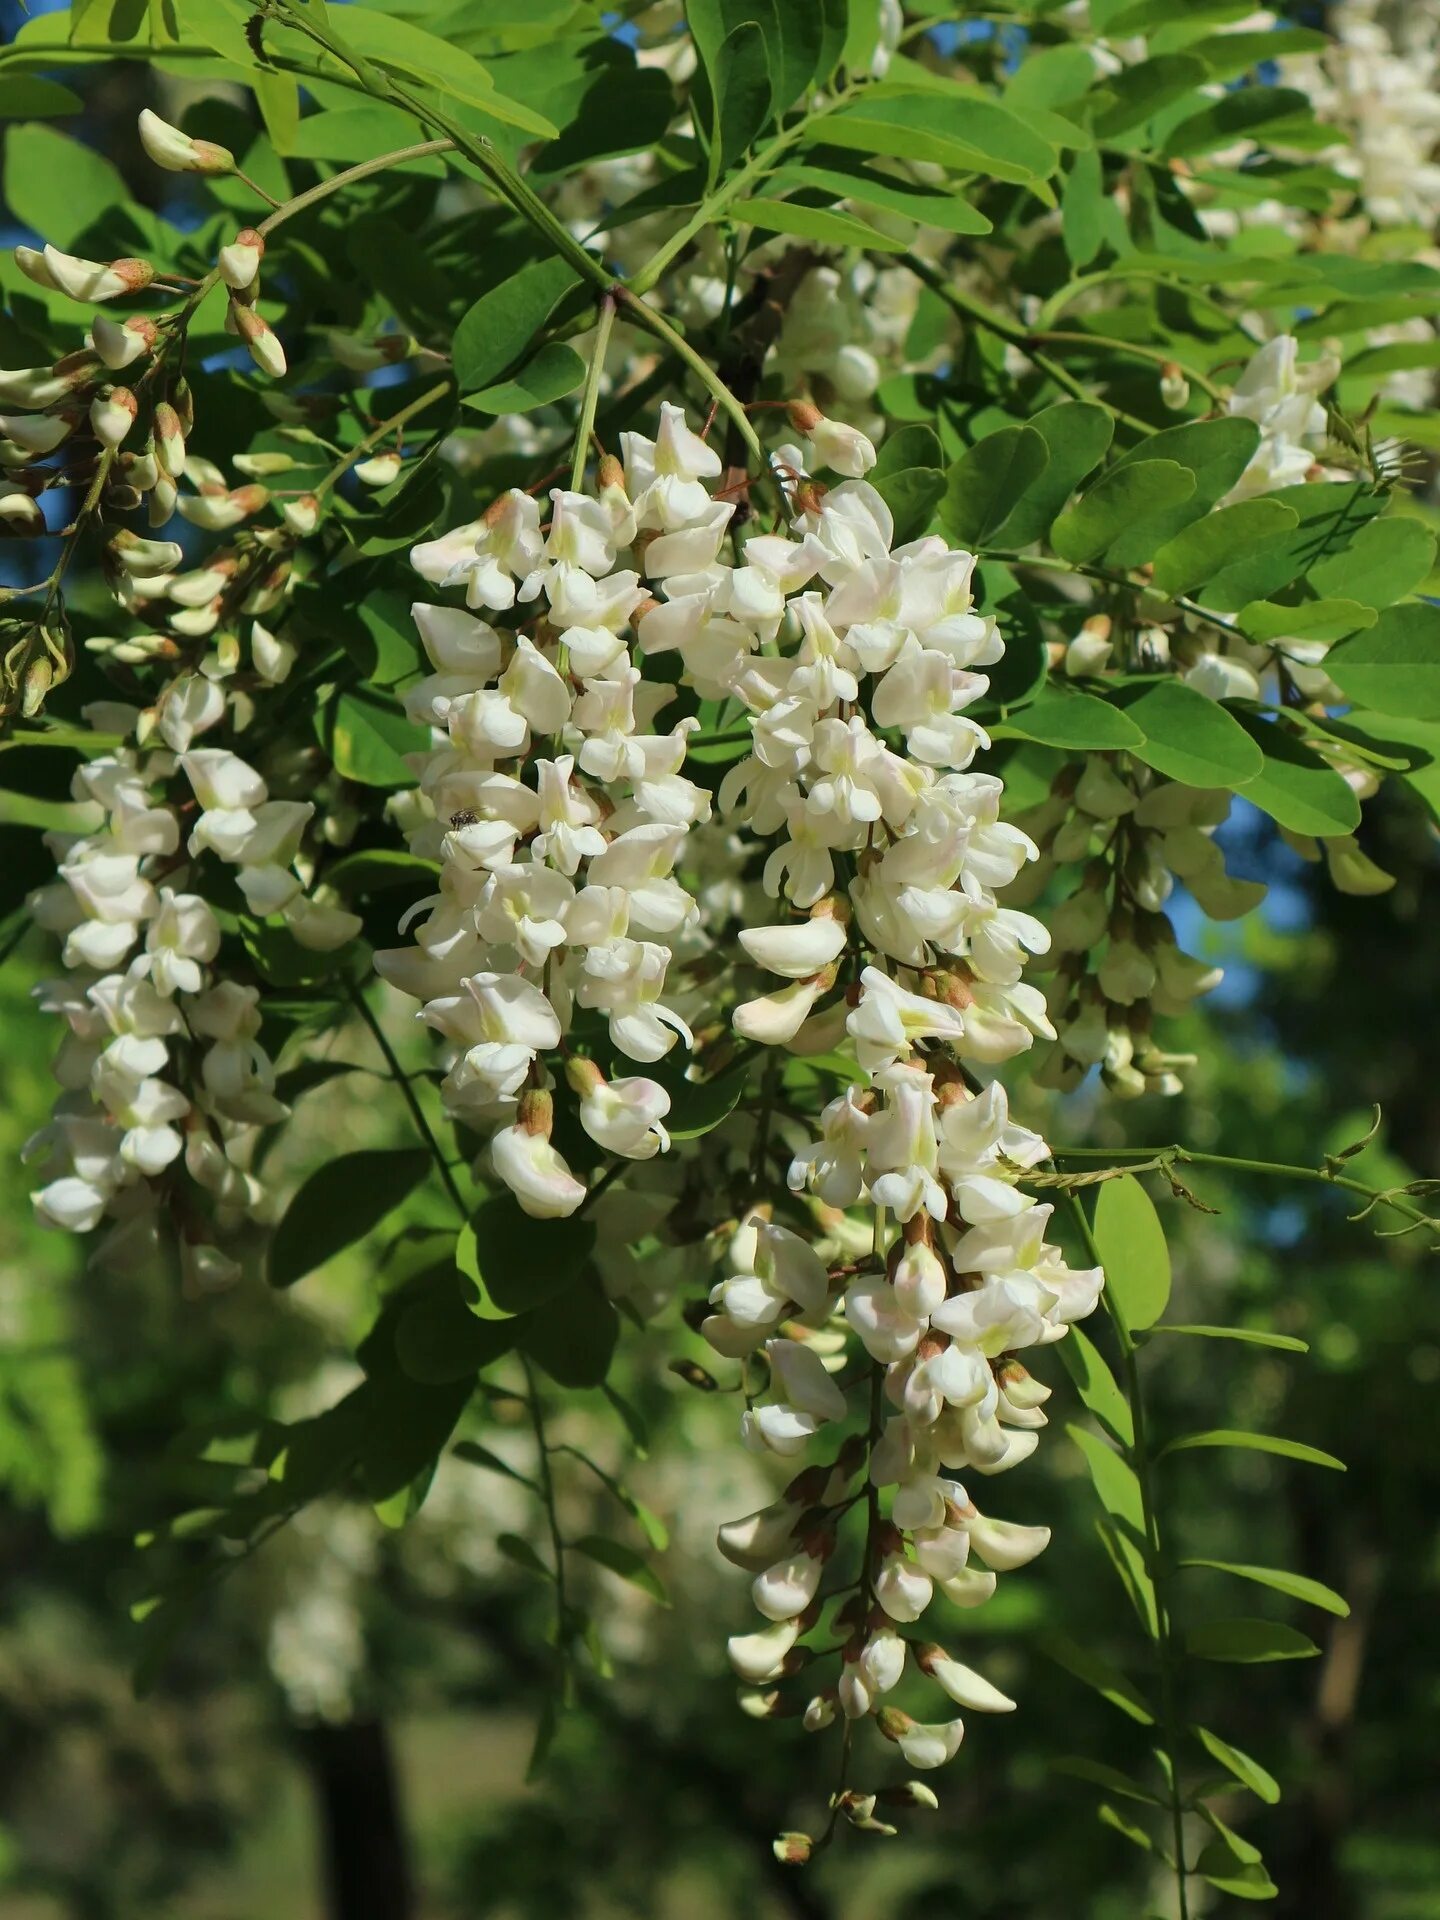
(112, 415)
(792, 1849)
(265, 349)
(37, 434)
(583, 1075)
(168, 147)
(240, 261)
(610, 473)
(302, 515)
(119, 342)
(96, 279)
(912, 1793)
(169, 440)
(804, 416)
(923, 1746)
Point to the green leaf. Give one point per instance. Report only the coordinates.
(1241, 1880)
(381, 870)
(815, 223)
(56, 185)
(1101, 1775)
(555, 371)
(1246, 1642)
(339, 1204)
(1296, 1585)
(521, 1263)
(1118, 1488)
(409, 50)
(475, 1455)
(1201, 549)
(438, 1339)
(623, 1560)
(1332, 514)
(1243, 113)
(1077, 434)
(912, 497)
(1138, 92)
(1102, 515)
(1268, 620)
(574, 1338)
(1285, 1342)
(1395, 667)
(1111, 1817)
(1097, 1674)
(367, 737)
(1080, 721)
(845, 176)
(1083, 208)
(520, 1553)
(498, 328)
(950, 130)
(1096, 1386)
(1190, 738)
(1214, 452)
(985, 486)
(1132, 1248)
(741, 81)
(1254, 1443)
(698, 1106)
(1295, 787)
(30, 96)
(1248, 1772)
(1386, 560)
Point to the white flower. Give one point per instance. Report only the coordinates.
(168, 147)
(624, 1117)
(536, 1174)
(889, 1019)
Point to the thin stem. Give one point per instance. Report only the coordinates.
(704, 373)
(360, 171)
(591, 399)
(407, 1093)
(1166, 1157)
(557, 1540)
(1015, 335)
(256, 188)
(1157, 355)
(377, 434)
(1155, 1564)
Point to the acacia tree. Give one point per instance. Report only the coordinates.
(875, 492)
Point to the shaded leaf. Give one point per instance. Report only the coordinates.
(339, 1204)
(1395, 667)
(1296, 1585)
(1255, 1443)
(1098, 1674)
(1248, 1772)
(623, 1560)
(1247, 1642)
(985, 486)
(1131, 1243)
(1099, 518)
(1097, 1386)
(1295, 787)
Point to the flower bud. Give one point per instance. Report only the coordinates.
(19, 510)
(144, 559)
(118, 342)
(792, 1849)
(301, 515)
(168, 147)
(169, 440)
(240, 261)
(34, 387)
(1174, 387)
(265, 349)
(378, 472)
(96, 279)
(37, 433)
(273, 658)
(112, 415)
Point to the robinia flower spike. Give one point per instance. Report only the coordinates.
(748, 764)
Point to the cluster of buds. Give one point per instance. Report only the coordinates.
(1116, 960)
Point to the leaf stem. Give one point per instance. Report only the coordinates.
(407, 1093)
(1139, 1453)
(591, 400)
(1167, 1157)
